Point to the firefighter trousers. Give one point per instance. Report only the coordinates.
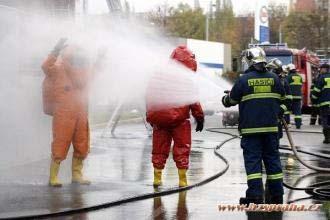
(296, 111)
(258, 148)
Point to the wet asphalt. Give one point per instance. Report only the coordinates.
(120, 167)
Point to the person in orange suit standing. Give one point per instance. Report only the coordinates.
(173, 124)
(65, 97)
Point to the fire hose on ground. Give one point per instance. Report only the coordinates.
(138, 197)
(319, 190)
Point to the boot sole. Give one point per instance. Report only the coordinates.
(80, 183)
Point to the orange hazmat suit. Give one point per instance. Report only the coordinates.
(65, 91)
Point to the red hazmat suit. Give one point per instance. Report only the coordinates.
(65, 93)
(173, 123)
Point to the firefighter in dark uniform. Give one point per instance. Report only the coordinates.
(275, 66)
(295, 82)
(259, 93)
(321, 94)
(289, 111)
(315, 109)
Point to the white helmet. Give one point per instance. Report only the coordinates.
(285, 69)
(291, 67)
(253, 56)
(274, 64)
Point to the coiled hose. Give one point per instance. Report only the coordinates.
(319, 190)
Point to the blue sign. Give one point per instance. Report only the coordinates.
(213, 65)
(264, 34)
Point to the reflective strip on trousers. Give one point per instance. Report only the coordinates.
(258, 130)
(254, 176)
(261, 96)
(324, 103)
(275, 176)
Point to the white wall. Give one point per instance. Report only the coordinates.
(215, 56)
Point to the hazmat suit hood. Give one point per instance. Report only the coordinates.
(76, 65)
(185, 56)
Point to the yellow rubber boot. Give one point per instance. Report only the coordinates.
(157, 177)
(77, 177)
(54, 168)
(182, 177)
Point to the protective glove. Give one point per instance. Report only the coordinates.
(226, 101)
(200, 125)
(59, 46)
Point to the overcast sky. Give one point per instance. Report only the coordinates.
(240, 6)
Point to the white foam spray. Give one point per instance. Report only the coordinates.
(135, 54)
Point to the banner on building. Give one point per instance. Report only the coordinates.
(261, 23)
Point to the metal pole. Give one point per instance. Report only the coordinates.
(112, 123)
(280, 34)
(207, 27)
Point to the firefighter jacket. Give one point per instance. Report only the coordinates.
(321, 91)
(295, 81)
(260, 97)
